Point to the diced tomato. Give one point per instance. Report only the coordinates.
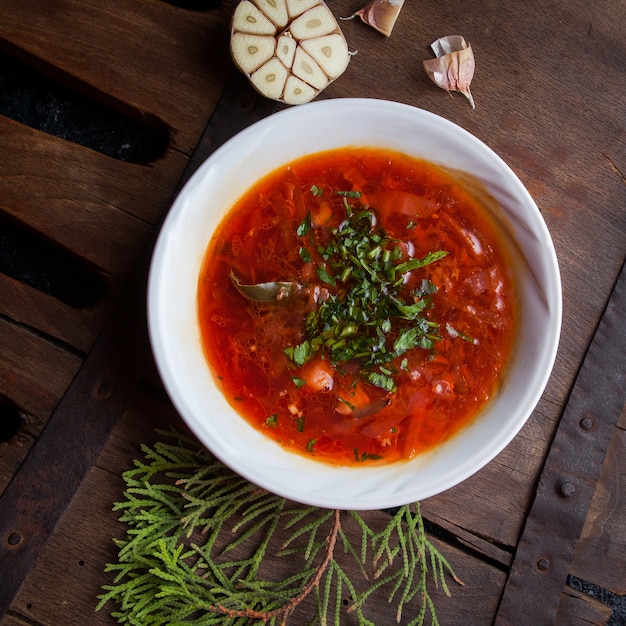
(319, 375)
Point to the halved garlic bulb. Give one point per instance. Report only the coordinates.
(453, 69)
(290, 49)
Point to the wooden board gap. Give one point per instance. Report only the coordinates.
(31, 98)
(38, 263)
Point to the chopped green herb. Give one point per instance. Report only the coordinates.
(311, 445)
(300, 424)
(325, 276)
(372, 457)
(349, 194)
(453, 332)
(384, 381)
(305, 225)
(368, 316)
(415, 264)
(305, 255)
(365, 456)
(299, 382)
(271, 420)
(347, 403)
(299, 354)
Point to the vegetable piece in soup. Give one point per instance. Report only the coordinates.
(358, 306)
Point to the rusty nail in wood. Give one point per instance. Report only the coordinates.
(586, 423)
(568, 489)
(15, 538)
(104, 389)
(543, 564)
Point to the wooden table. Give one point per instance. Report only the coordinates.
(550, 91)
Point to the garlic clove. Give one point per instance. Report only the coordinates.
(315, 22)
(330, 52)
(453, 69)
(296, 7)
(286, 50)
(275, 10)
(270, 78)
(298, 92)
(306, 68)
(251, 51)
(380, 14)
(249, 19)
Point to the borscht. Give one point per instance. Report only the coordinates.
(358, 306)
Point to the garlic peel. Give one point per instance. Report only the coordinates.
(453, 69)
(290, 49)
(380, 15)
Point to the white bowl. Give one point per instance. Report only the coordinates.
(174, 328)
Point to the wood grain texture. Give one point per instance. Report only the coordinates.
(601, 552)
(30, 307)
(551, 100)
(34, 373)
(160, 64)
(579, 609)
(150, 59)
(571, 471)
(81, 200)
(12, 453)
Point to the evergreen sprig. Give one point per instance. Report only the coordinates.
(200, 540)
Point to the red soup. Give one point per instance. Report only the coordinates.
(357, 306)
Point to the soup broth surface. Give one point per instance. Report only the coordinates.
(348, 412)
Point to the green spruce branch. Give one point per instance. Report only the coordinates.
(202, 542)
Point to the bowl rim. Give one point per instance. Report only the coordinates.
(350, 488)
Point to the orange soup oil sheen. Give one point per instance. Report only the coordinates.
(322, 409)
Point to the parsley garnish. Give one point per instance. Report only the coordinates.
(369, 316)
(365, 456)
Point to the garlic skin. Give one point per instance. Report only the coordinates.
(380, 14)
(453, 69)
(290, 50)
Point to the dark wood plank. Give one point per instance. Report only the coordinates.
(67, 579)
(579, 609)
(80, 199)
(150, 59)
(12, 453)
(35, 499)
(601, 552)
(568, 479)
(34, 373)
(42, 170)
(11, 620)
(27, 306)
